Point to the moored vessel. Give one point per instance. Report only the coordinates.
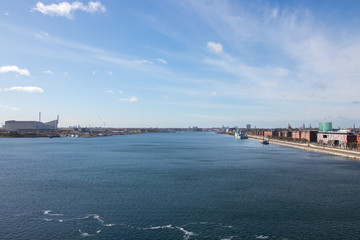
(240, 134)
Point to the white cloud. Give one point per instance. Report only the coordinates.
(66, 9)
(110, 73)
(25, 89)
(66, 74)
(112, 92)
(9, 107)
(160, 60)
(131, 99)
(215, 47)
(41, 35)
(48, 72)
(143, 61)
(94, 72)
(16, 69)
(214, 93)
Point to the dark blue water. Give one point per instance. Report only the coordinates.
(174, 186)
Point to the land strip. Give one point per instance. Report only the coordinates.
(312, 147)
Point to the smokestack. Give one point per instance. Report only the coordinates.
(39, 116)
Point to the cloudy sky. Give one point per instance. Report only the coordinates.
(155, 63)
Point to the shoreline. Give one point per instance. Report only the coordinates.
(312, 147)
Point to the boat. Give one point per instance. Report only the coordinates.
(265, 142)
(240, 134)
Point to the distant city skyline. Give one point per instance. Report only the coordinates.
(180, 63)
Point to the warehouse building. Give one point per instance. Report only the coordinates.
(13, 125)
(338, 138)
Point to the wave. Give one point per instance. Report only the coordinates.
(97, 217)
(262, 237)
(84, 234)
(187, 234)
(48, 212)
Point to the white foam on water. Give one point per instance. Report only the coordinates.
(187, 234)
(98, 218)
(159, 227)
(98, 231)
(262, 237)
(48, 219)
(60, 220)
(129, 226)
(48, 212)
(109, 225)
(84, 234)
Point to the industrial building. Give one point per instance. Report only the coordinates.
(325, 126)
(13, 125)
(338, 138)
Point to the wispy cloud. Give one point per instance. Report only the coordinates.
(15, 69)
(112, 92)
(29, 89)
(215, 47)
(110, 73)
(160, 60)
(48, 72)
(130, 99)
(66, 74)
(9, 107)
(66, 9)
(41, 35)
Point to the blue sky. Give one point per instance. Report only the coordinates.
(180, 63)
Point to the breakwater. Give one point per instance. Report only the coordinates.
(313, 147)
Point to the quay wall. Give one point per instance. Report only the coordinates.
(312, 147)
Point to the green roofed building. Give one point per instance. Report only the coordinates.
(325, 126)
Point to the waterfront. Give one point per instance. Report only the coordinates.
(174, 186)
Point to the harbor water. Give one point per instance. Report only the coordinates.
(174, 186)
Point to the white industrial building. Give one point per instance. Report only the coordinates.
(13, 125)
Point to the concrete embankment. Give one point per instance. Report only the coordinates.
(313, 147)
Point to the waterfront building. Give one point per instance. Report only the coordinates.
(309, 135)
(271, 133)
(338, 138)
(13, 125)
(248, 126)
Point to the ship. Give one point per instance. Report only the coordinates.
(240, 134)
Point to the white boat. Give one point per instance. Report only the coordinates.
(240, 134)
